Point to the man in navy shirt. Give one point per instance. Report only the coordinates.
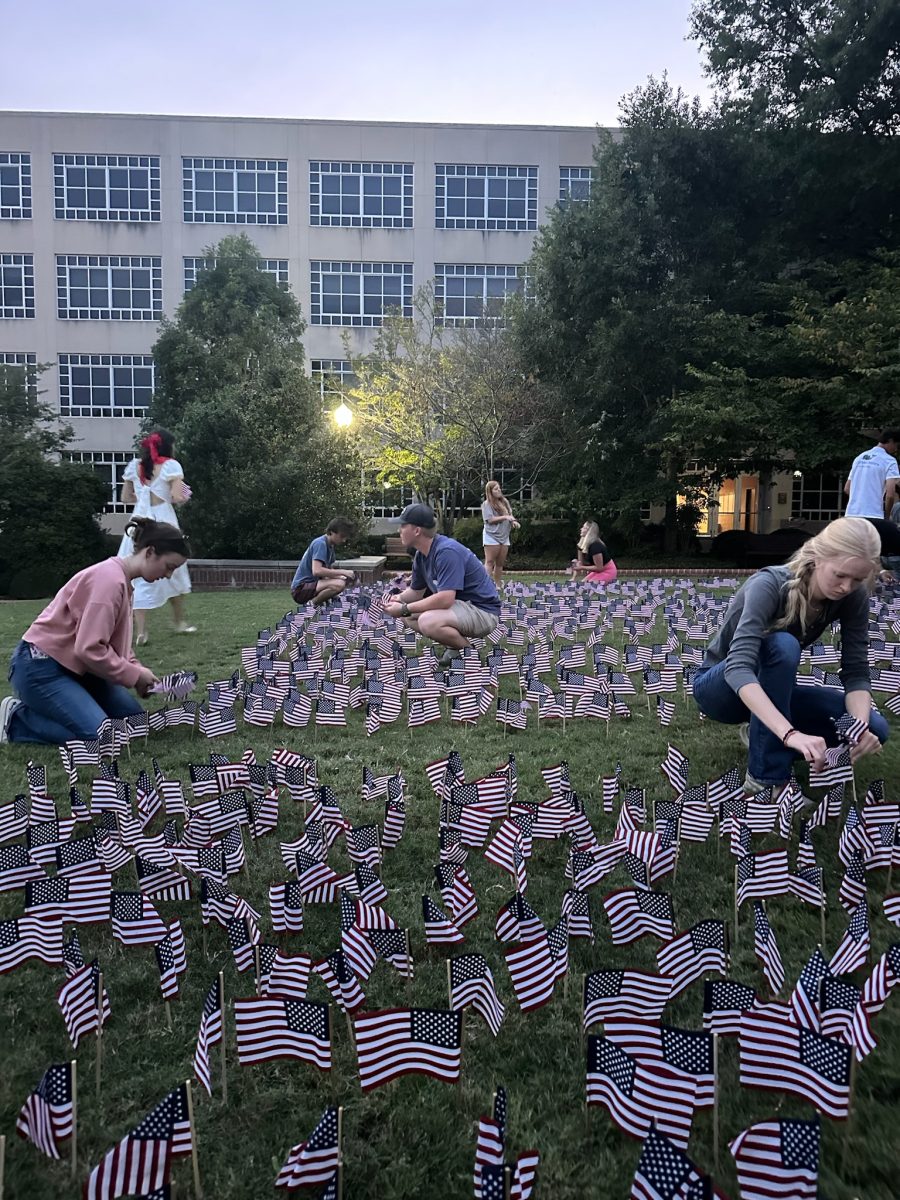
(451, 597)
(316, 578)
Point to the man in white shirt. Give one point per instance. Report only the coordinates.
(872, 482)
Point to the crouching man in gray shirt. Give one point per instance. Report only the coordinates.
(749, 672)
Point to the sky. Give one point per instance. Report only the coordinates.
(566, 62)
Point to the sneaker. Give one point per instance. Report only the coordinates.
(447, 658)
(744, 734)
(8, 706)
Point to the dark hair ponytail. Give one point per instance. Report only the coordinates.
(158, 536)
(155, 446)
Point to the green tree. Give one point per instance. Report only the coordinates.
(266, 469)
(819, 64)
(441, 408)
(48, 524)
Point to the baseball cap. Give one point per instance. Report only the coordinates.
(418, 514)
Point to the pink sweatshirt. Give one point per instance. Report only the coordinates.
(87, 626)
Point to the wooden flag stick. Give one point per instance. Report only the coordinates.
(340, 1130)
(74, 1116)
(169, 1016)
(195, 1162)
(735, 903)
(340, 1177)
(99, 1031)
(205, 954)
(2, 1161)
(716, 1102)
(222, 1042)
(506, 1182)
(256, 967)
(409, 964)
(449, 987)
(851, 1090)
(822, 914)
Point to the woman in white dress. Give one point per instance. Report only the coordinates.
(498, 524)
(154, 484)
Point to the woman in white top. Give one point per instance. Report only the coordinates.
(498, 524)
(154, 483)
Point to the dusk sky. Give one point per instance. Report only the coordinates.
(565, 63)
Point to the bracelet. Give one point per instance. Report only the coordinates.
(787, 735)
(404, 609)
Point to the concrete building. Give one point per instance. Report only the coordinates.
(104, 220)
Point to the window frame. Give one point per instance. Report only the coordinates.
(193, 265)
(66, 363)
(567, 177)
(65, 211)
(484, 272)
(25, 263)
(486, 173)
(66, 311)
(360, 171)
(350, 269)
(193, 215)
(117, 460)
(21, 211)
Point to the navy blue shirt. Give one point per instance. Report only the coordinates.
(451, 567)
(319, 549)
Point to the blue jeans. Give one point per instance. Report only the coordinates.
(809, 709)
(59, 706)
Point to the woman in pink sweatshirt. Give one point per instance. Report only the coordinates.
(74, 664)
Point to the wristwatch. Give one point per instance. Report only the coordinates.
(404, 609)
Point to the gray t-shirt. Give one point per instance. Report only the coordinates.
(497, 529)
(760, 602)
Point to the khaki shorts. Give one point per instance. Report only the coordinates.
(472, 621)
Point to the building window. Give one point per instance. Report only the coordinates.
(468, 293)
(332, 376)
(110, 466)
(16, 285)
(358, 293)
(575, 184)
(481, 197)
(235, 191)
(382, 500)
(277, 267)
(105, 385)
(15, 186)
(817, 496)
(106, 187)
(361, 195)
(16, 361)
(644, 511)
(104, 287)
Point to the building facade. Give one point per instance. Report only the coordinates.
(104, 220)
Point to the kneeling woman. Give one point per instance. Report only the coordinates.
(74, 664)
(750, 668)
(594, 562)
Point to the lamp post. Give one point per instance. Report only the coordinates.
(343, 416)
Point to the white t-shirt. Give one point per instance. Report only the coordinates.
(868, 476)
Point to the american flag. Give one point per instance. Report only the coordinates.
(142, 1160)
(853, 951)
(286, 975)
(13, 818)
(29, 937)
(778, 1056)
(243, 935)
(400, 1041)
(314, 1161)
(517, 921)
(270, 1027)
(168, 966)
(882, 981)
(160, 882)
(439, 929)
(456, 892)
(724, 1004)
(286, 907)
(335, 973)
(639, 1093)
(634, 913)
(490, 1144)
(854, 839)
(210, 1034)
(778, 1158)
(675, 768)
(844, 1016)
(471, 982)
(48, 1115)
(763, 874)
(767, 948)
(77, 999)
(17, 868)
(73, 959)
(838, 768)
(134, 920)
(576, 907)
(612, 993)
(685, 1053)
(666, 1173)
(692, 954)
(809, 886)
(535, 966)
(728, 786)
(804, 1001)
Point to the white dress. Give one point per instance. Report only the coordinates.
(155, 595)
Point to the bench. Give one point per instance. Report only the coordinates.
(394, 548)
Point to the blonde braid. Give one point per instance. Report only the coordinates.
(847, 537)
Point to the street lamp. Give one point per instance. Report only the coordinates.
(343, 416)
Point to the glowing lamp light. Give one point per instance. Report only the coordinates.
(343, 416)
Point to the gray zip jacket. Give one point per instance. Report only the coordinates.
(760, 602)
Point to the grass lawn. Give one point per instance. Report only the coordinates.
(416, 1136)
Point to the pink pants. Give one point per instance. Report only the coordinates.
(607, 575)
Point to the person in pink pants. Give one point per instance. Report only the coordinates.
(594, 562)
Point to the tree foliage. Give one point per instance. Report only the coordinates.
(266, 470)
(818, 64)
(48, 524)
(440, 409)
